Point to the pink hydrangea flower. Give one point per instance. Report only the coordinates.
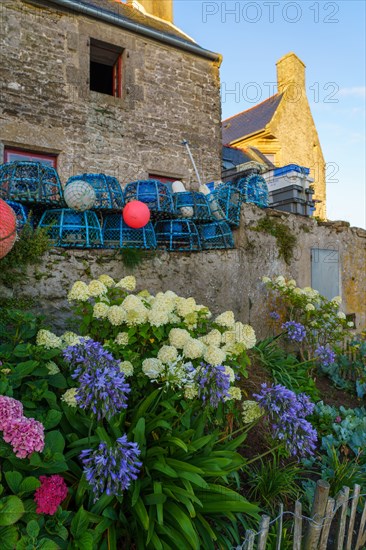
(50, 494)
(26, 435)
(10, 409)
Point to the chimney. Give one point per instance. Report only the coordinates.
(290, 72)
(159, 8)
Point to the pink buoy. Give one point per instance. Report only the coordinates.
(8, 228)
(136, 214)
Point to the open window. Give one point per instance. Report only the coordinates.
(105, 68)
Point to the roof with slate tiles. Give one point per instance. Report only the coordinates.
(250, 121)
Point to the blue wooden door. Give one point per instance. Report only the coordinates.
(325, 272)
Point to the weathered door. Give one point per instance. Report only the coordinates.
(325, 272)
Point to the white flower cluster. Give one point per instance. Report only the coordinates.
(127, 283)
(48, 340)
(251, 411)
(127, 368)
(69, 397)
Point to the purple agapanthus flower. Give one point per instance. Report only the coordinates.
(287, 412)
(295, 331)
(213, 384)
(274, 315)
(102, 386)
(111, 470)
(325, 355)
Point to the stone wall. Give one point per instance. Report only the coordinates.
(46, 104)
(223, 279)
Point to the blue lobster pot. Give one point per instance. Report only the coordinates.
(68, 228)
(117, 234)
(30, 182)
(216, 235)
(21, 213)
(153, 193)
(108, 192)
(177, 235)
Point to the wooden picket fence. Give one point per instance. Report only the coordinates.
(329, 516)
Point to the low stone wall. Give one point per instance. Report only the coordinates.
(222, 279)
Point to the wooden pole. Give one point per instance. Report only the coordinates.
(329, 514)
(279, 528)
(341, 527)
(317, 514)
(361, 529)
(297, 526)
(263, 532)
(356, 493)
(249, 540)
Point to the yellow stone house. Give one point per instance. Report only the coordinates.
(282, 127)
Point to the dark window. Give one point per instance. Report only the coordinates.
(21, 154)
(105, 68)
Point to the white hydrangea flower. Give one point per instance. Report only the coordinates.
(185, 306)
(212, 338)
(152, 368)
(341, 315)
(69, 397)
(107, 281)
(116, 315)
(132, 302)
(126, 367)
(350, 324)
(245, 335)
(234, 393)
(79, 292)
(291, 283)
(309, 307)
(48, 340)
(96, 288)
(193, 349)
(203, 310)
(178, 337)
(226, 319)
(174, 319)
(158, 317)
(280, 280)
(52, 368)
(190, 391)
(70, 339)
(121, 339)
(168, 354)
(266, 280)
(251, 411)
(100, 310)
(298, 291)
(165, 302)
(136, 312)
(228, 337)
(127, 283)
(191, 320)
(231, 374)
(214, 356)
(337, 300)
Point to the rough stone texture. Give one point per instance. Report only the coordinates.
(46, 104)
(222, 280)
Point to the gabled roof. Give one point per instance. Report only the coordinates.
(231, 156)
(250, 121)
(129, 17)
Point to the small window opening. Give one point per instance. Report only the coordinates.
(105, 68)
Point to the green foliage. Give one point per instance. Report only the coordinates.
(272, 482)
(342, 471)
(29, 249)
(286, 240)
(285, 368)
(348, 372)
(133, 257)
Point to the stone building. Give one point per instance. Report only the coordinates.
(106, 86)
(282, 127)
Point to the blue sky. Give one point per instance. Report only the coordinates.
(329, 37)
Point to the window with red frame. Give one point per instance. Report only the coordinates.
(21, 154)
(105, 74)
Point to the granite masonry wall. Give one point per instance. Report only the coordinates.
(46, 104)
(222, 279)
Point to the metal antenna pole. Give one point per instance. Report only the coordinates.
(185, 142)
